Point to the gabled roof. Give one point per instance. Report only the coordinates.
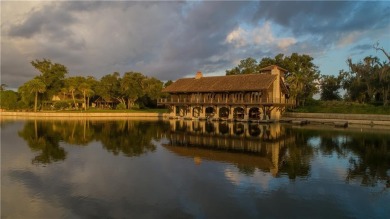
(247, 82)
(269, 68)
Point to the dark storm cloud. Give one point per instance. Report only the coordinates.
(199, 36)
(50, 19)
(325, 17)
(169, 40)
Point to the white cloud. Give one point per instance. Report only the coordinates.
(258, 36)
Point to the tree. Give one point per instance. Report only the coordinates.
(52, 74)
(72, 84)
(368, 80)
(109, 87)
(2, 87)
(246, 66)
(84, 88)
(376, 47)
(168, 83)
(330, 86)
(8, 99)
(152, 88)
(35, 86)
(302, 76)
(131, 87)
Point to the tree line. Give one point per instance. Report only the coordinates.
(53, 88)
(366, 81)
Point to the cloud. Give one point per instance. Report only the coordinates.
(258, 36)
(329, 20)
(169, 40)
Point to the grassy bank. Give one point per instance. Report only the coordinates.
(316, 106)
(102, 111)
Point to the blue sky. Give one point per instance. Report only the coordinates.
(169, 40)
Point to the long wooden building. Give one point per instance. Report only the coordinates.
(262, 96)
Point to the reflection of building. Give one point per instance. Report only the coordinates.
(244, 144)
(240, 97)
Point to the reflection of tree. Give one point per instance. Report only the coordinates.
(296, 158)
(373, 160)
(131, 138)
(41, 137)
(368, 153)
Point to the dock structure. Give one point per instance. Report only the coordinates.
(259, 97)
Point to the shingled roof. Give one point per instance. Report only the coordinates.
(247, 82)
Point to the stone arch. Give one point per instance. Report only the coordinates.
(223, 128)
(209, 127)
(181, 111)
(254, 113)
(210, 112)
(238, 129)
(196, 111)
(196, 127)
(223, 112)
(238, 113)
(254, 130)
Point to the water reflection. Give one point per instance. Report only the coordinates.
(368, 154)
(203, 170)
(127, 137)
(282, 150)
(248, 146)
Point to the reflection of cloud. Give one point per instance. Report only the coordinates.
(258, 178)
(16, 196)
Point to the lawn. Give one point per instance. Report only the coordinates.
(342, 107)
(109, 111)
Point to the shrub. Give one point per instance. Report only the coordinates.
(121, 106)
(61, 105)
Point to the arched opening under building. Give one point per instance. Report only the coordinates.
(181, 111)
(254, 130)
(254, 113)
(223, 112)
(180, 126)
(196, 127)
(210, 127)
(209, 112)
(196, 112)
(238, 129)
(238, 113)
(223, 128)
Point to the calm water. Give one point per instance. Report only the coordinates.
(179, 169)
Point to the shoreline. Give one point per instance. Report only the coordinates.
(322, 118)
(312, 118)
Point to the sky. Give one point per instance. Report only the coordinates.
(173, 39)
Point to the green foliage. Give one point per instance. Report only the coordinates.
(2, 87)
(52, 74)
(168, 83)
(109, 86)
(341, 107)
(8, 99)
(367, 80)
(30, 89)
(330, 86)
(246, 66)
(121, 106)
(60, 105)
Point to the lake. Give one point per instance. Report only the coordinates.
(190, 169)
